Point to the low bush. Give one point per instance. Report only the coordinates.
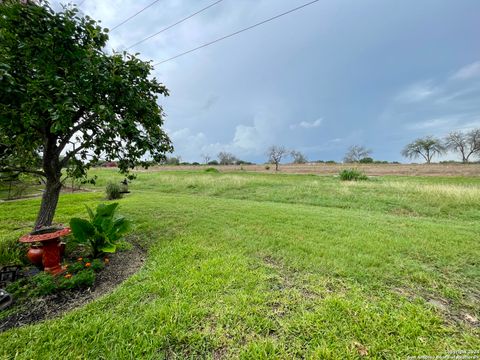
(366, 160)
(211, 170)
(83, 279)
(79, 275)
(44, 284)
(352, 175)
(113, 191)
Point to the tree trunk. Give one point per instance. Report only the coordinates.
(49, 202)
(276, 166)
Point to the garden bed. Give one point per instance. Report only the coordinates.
(50, 306)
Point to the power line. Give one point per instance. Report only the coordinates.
(178, 22)
(81, 3)
(132, 16)
(236, 32)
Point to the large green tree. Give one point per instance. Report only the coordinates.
(64, 99)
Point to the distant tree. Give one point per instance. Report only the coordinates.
(206, 158)
(59, 88)
(366, 160)
(426, 148)
(243, 162)
(298, 157)
(226, 158)
(173, 160)
(213, 162)
(276, 154)
(465, 143)
(355, 153)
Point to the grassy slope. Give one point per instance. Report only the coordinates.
(242, 265)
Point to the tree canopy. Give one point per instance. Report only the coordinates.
(298, 157)
(465, 143)
(65, 100)
(276, 154)
(425, 147)
(355, 153)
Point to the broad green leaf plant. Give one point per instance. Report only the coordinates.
(103, 230)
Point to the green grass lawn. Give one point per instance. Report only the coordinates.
(264, 266)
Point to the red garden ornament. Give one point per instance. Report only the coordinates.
(52, 248)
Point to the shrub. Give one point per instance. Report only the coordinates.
(213, 162)
(83, 279)
(44, 284)
(352, 175)
(267, 167)
(103, 230)
(113, 191)
(211, 170)
(366, 160)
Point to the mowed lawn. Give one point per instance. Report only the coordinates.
(267, 266)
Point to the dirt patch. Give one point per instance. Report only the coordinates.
(453, 314)
(51, 306)
(39, 193)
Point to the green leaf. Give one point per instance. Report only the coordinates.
(121, 225)
(90, 212)
(109, 248)
(82, 229)
(106, 210)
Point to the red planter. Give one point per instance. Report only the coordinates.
(51, 250)
(35, 255)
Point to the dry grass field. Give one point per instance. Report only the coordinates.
(368, 169)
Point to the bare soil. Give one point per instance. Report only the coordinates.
(51, 306)
(330, 169)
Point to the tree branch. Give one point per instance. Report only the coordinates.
(23, 170)
(78, 115)
(69, 155)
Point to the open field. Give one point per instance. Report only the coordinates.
(266, 266)
(333, 169)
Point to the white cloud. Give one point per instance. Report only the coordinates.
(417, 92)
(467, 72)
(246, 141)
(433, 123)
(307, 125)
(254, 138)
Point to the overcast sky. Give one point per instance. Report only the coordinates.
(377, 73)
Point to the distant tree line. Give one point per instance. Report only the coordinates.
(464, 143)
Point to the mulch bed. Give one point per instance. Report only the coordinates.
(51, 306)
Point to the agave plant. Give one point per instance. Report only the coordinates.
(103, 230)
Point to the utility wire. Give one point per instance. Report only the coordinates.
(236, 32)
(132, 16)
(175, 24)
